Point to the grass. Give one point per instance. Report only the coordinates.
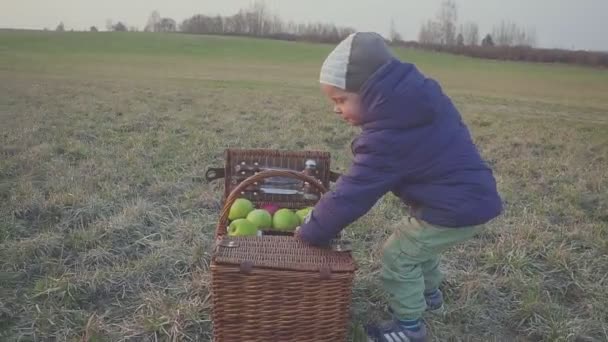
(106, 227)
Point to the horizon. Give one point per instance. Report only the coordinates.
(557, 24)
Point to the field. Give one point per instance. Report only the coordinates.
(106, 223)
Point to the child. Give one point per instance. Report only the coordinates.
(414, 144)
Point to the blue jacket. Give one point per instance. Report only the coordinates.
(413, 143)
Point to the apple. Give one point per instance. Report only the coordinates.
(302, 213)
(261, 218)
(240, 209)
(242, 227)
(285, 220)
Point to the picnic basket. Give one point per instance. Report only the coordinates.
(275, 287)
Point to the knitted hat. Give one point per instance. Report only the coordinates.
(354, 60)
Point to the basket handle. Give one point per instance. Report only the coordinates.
(234, 195)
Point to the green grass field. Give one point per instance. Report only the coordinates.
(106, 227)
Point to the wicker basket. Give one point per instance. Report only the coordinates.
(277, 288)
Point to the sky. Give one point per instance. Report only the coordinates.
(569, 24)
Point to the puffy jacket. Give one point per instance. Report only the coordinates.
(413, 143)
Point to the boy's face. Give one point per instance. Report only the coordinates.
(346, 104)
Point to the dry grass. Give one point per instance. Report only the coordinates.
(106, 227)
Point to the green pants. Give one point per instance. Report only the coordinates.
(410, 263)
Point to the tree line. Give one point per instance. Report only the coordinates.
(506, 41)
(443, 33)
(256, 20)
(444, 29)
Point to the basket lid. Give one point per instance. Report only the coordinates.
(243, 163)
(284, 253)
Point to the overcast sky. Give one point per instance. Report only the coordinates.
(581, 24)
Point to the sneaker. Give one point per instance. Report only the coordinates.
(434, 302)
(398, 331)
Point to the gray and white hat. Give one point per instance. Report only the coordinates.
(354, 60)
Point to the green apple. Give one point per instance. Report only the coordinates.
(285, 220)
(302, 213)
(242, 227)
(240, 209)
(261, 218)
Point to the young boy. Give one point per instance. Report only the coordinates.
(413, 143)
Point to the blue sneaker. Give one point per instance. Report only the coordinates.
(398, 331)
(434, 302)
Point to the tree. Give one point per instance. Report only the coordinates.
(510, 34)
(119, 27)
(447, 18)
(166, 25)
(470, 33)
(259, 21)
(258, 18)
(219, 24)
(200, 24)
(441, 31)
(488, 41)
(276, 25)
(157, 24)
(93, 29)
(60, 27)
(460, 40)
(430, 33)
(153, 21)
(528, 39)
(236, 24)
(394, 35)
(504, 34)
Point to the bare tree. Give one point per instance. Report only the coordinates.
(60, 27)
(394, 35)
(510, 34)
(276, 25)
(153, 21)
(220, 24)
(258, 18)
(235, 24)
(344, 32)
(201, 24)
(526, 38)
(470, 33)
(109, 25)
(447, 18)
(259, 21)
(93, 29)
(430, 33)
(197, 24)
(291, 27)
(166, 25)
(442, 30)
(504, 34)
